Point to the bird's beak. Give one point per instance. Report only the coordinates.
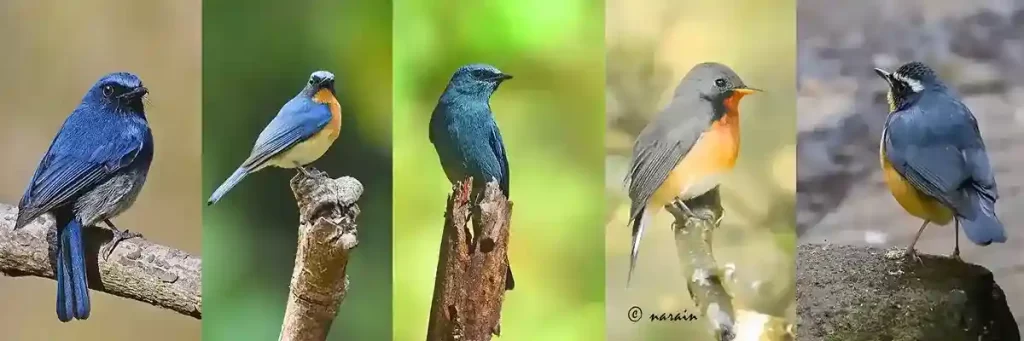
(136, 93)
(503, 77)
(746, 90)
(882, 73)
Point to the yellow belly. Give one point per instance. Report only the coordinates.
(910, 198)
(305, 152)
(714, 154)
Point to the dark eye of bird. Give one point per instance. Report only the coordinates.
(108, 90)
(720, 82)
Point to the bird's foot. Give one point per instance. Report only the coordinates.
(117, 237)
(467, 188)
(911, 254)
(956, 254)
(305, 172)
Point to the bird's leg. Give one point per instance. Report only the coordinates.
(911, 253)
(709, 217)
(303, 170)
(956, 237)
(117, 237)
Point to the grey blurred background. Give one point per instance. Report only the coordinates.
(650, 45)
(977, 47)
(53, 51)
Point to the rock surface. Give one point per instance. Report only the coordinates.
(860, 293)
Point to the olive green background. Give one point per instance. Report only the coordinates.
(53, 52)
(651, 45)
(257, 56)
(551, 119)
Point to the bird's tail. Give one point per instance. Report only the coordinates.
(982, 227)
(639, 223)
(72, 284)
(510, 283)
(228, 184)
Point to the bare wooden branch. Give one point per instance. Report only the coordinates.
(470, 284)
(705, 279)
(136, 269)
(327, 234)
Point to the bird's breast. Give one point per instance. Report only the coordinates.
(700, 170)
(333, 127)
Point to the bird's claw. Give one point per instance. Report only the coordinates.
(911, 254)
(304, 171)
(118, 236)
(956, 255)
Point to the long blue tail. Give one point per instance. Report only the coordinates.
(228, 184)
(982, 227)
(72, 283)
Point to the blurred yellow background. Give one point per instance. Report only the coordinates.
(53, 52)
(651, 45)
(550, 116)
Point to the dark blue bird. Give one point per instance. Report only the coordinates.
(933, 157)
(465, 135)
(93, 171)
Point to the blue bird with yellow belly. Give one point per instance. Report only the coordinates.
(302, 132)
(933, 158)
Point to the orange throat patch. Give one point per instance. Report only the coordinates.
(324, 96)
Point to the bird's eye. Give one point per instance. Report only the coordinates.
(720, 82)
(108, 90)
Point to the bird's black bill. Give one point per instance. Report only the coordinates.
(502, 77)
(135, 93)
(882, 73)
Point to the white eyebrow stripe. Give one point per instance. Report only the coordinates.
(914, 84)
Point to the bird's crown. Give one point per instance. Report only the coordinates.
(123, 79)
(320, 76)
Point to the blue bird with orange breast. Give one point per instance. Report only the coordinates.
(934, 160)
(301, 133)
(93, 171)
(465, 135)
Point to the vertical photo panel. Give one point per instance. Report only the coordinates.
(100, 233)
(911, 134)
(700, 178)
(468, 263)
(297, 169)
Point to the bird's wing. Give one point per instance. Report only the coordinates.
(75, 163)
(498, 146)
(658, 149)
(299, 119)
(925, 151)
(976, 157)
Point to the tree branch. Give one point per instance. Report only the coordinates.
(470, 284)
(327, 234)
(705, 280)
(136, 269)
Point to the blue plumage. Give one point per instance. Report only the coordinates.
(934, 142)
(299, 120)
(465, 135)
(93, 171)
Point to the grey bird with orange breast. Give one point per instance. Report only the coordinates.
(684, 151)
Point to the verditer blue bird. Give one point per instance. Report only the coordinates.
(465, 135)
(93, 171)
(301, 133)
(933, 157)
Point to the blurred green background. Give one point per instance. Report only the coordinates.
(651, 45)
(550, 117)
(255, 58)
(53, 51)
